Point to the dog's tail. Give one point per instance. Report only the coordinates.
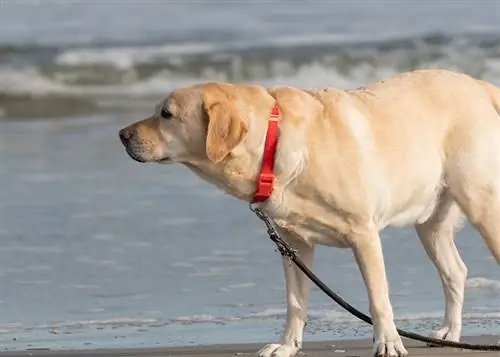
(494, 93)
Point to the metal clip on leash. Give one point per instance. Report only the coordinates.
(290, 253)
(283, 247)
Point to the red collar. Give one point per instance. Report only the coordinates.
(265, 183)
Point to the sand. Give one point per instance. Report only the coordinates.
(341, 348)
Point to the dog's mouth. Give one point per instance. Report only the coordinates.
(134, 156)
(165, 160)
(139, 158)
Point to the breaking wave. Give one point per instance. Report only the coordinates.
(109, 77)
(482, 283)
(328, 316)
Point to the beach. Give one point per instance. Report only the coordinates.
(100, 253)
(342, 348)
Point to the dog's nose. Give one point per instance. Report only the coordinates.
(125, 135)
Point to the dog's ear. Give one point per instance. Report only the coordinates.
(226, 128)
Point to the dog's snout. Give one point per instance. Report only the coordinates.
(125, 135)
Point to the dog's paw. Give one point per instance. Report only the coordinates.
(389, 345)
(277, 350)
(389, 349)
(446, 333)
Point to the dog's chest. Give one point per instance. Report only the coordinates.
(312, 231)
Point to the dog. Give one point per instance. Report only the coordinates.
(420, 148)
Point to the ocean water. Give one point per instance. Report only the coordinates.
(99, 251)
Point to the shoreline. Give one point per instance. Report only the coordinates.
(341, 348)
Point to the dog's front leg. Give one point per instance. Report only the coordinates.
(297, 292)
(368, 252)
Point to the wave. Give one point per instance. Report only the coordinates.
(89, 79)
(327, 317)
(111, 323)
(321, 315)
(482, 283)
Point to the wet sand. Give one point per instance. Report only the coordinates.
(341, 348)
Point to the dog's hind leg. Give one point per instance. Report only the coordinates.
(482, 208)
(483, 212)
(437, 236)
(472, 173)
(473, 177)
(297, 292)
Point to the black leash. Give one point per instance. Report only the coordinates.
(290, 253)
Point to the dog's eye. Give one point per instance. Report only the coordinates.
(166, 114)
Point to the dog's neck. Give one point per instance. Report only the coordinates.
(237, 178)
(237, 174)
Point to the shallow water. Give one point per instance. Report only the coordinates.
(99, 251)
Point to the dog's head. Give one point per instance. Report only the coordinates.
(199, 123)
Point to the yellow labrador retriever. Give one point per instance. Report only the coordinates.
(418, 148)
